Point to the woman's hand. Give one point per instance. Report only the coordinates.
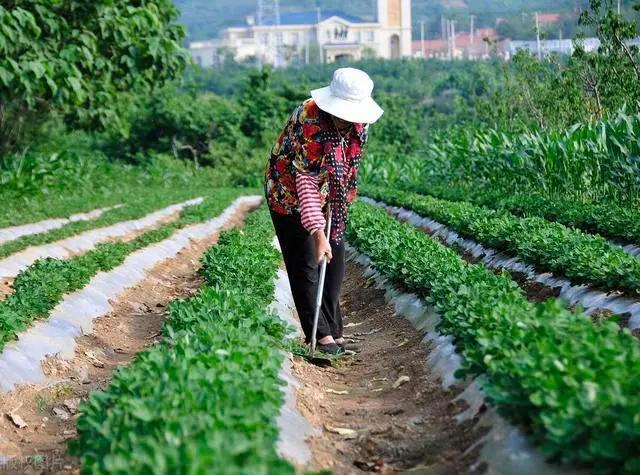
(323, 248)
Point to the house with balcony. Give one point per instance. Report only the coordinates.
(313, 36)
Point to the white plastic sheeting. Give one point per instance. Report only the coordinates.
(293, 429)
(505, 450)
(15, 232)
(14, 264)
(20, 362)
(591, 299)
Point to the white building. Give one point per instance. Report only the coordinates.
(548, 47)
(313, 36)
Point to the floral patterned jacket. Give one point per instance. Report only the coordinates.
(312, 164)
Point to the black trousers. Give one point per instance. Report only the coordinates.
(299, 253)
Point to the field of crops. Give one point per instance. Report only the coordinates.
(147, 325)
(175, 291)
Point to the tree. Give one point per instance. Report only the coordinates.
(76, 56)
(264, 109)
(612, 75)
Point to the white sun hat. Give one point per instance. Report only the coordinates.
(349, 97)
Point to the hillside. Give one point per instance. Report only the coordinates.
(205, 18)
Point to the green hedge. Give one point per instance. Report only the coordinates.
(582, 257)
(574, 384)
(205, 399)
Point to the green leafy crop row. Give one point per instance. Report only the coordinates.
(136, 208)
(205, 399)
(610, 220)
(581, 257)
(574, 384)
(40, 287)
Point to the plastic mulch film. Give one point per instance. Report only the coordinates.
(632, 249)
(20, 362)
(591, 299)
(15, 232)
(12, 265)
(293, 429)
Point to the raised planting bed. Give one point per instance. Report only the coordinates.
(42, 285)
(608, 219)
(144, 211)
(15, 232)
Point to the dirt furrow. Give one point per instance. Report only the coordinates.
(382, 410)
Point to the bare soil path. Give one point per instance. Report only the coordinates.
(382, 410)
(50, 411)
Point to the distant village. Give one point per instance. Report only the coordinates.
(278, 39)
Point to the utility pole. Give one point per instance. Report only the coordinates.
(443, 26)
(319, 17)
(619, 9)
(422, 38)
(449, 39)
(260, 21)
(561, 45)
(538, 37)
(452, 39)
(268, 16)
(276, 7)
(306, 48)
(472, 29)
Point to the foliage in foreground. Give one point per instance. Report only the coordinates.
(581, 257)
(573, 384)
(205, 399)
(42, 285)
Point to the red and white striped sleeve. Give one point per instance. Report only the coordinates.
(309, 202)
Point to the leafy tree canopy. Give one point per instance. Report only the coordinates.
(77, 55)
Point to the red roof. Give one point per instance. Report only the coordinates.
(463, 40)
(549, 17)
(430, 45)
